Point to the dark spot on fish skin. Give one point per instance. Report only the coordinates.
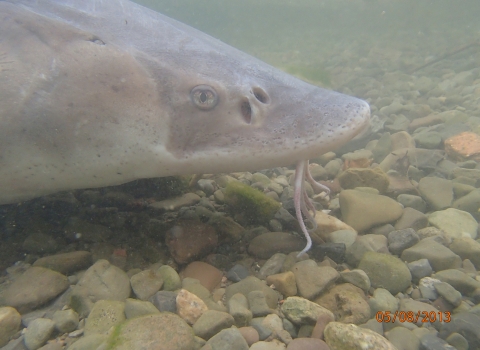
(115, 88)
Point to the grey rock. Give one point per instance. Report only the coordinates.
(165, 328)
(101, 281)
(146, 283)
(411, 218)
(432, 342)
(469, 203)
(366, 243)
(10, 321)
(65, 320)
(348, 336)
(35, 287)
(272, 265)
(412, 201)
(467, 324)
(400, 240)
(311, 279)
(136, 308)
(265, 245)
(403, 339)
(439, 256)
(382, 300)
(165, 301)
(419, 269)
(437, 192)
(456, 223)
(449, 293)
(88, 342)
(302, 311)
(458, 280)
(230, 339)
(170, 277)
(467, 248)
(386, 271)
(238, 308)
(237, 273)
(356, 277)
(38, 332)
(249, 284)
(211, 322)
(427, 288)
(104, 315)
(258, 303)
(66, 263)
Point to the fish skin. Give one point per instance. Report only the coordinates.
(99, 93)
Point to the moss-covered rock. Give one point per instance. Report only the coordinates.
(255, 205)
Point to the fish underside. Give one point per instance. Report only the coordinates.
(99, 93)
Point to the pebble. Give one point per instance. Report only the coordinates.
(311, 279)
(250, 334)
(135, 308)
(165, 328)
(469, 203)
(347, 302)
(208, 275)
(412, 201)
(265, 245)
(66, 263)
(171, 204)
(455, 223)
(386, 271)
(271, 345)
(65, 320)
(411, 219)
(419, 269)
(146, 283)
(307, 344)
(364, 177)
(439, 257)
(102, 281)
(347, 237)
(258, 303)
(239, 309)
(104, 315)
(382, 300)
(400, 240)
(356, 277)
(465, 323)
(432, 342)
(449, 293)
(348, 336)
(189, 306)
(237, 273)
(284, 283)
(38, 332)
(170, 277)
(364, 244)
(189, 240)
(165, 301)
(10, 321)
(403, 338)
(212, 322)
(458, 280)
(467, 248)
(230, 339)
(272, 266)
(437, 192)
(363, 211)
(35, 287)
(249, 284)
(302, 311)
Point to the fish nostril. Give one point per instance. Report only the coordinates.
(260, 95)
(246, 111)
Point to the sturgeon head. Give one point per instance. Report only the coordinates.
(96, 93)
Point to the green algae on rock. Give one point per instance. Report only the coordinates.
(256, 206)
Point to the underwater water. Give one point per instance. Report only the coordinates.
(211, 259)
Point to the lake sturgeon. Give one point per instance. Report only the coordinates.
(97, 93)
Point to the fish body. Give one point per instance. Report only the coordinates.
(96, 93)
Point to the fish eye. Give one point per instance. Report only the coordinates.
(204, 97)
